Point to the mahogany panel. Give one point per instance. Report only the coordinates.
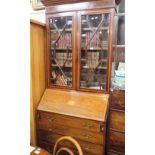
(60, 2)
(79, 6)
(115, 153)
(55, 119)
(117, 99)
(117, 120)
(117, 141)
(46, 146)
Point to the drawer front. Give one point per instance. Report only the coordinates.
(117, 120)
(87, 147)
(85, 135)
(117, 100)
(111, 153)
(48, 147)
(90, 125)
(117, 141)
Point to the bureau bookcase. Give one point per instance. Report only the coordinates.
(80, 40)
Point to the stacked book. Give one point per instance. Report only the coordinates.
(61, 58)
(92, 60)
(65, 40)
(96, 42)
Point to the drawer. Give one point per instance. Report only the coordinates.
(112, 153)
(117, 141)
(117, 100)
(84, 135)
(88, 148)
(117, 120)
(48, 147)
(85, 124)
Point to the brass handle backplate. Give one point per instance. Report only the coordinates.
(87, 136)
(50, 119)
(88, 125)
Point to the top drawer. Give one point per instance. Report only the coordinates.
(51, 119)
(117, 100)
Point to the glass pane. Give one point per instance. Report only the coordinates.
(118, 65)
(94, 51)
(121, 30)
(121, 7)
(61, 50)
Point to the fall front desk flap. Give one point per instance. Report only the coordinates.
(77, 104)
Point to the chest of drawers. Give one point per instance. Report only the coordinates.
(79, 115)
(116, 124)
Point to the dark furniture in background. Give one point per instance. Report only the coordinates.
(116, 117)
(116, 127)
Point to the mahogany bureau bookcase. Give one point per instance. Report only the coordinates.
(80, 38)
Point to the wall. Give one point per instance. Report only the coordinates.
(38, 15)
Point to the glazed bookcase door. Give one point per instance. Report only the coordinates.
(118, 63)
(61, 50)
(95, 50)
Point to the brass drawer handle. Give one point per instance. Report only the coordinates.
(87, 148)
(50, 119)
(87, 136)
(51, 128)
(88, 125)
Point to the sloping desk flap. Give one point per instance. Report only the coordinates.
(77, 104)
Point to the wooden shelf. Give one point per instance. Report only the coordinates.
(120, 14)
(103, 60)
(61, 49)
(94, 28)
(54, 65)
(84, 29)
(95, 49)
(85, 67)
(93, 83)
(60, 30)
(119, 46)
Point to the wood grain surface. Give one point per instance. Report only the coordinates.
(73, 103)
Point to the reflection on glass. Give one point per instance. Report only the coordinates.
(61, 50)
(94, 51)
(118, 64)
(121, 31)
(121, 6)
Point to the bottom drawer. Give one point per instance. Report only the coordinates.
(46, 146)
(88, 148)
(117, 141)
(112, 153)
(49, 148)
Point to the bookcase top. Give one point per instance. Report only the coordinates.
(60, 2)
